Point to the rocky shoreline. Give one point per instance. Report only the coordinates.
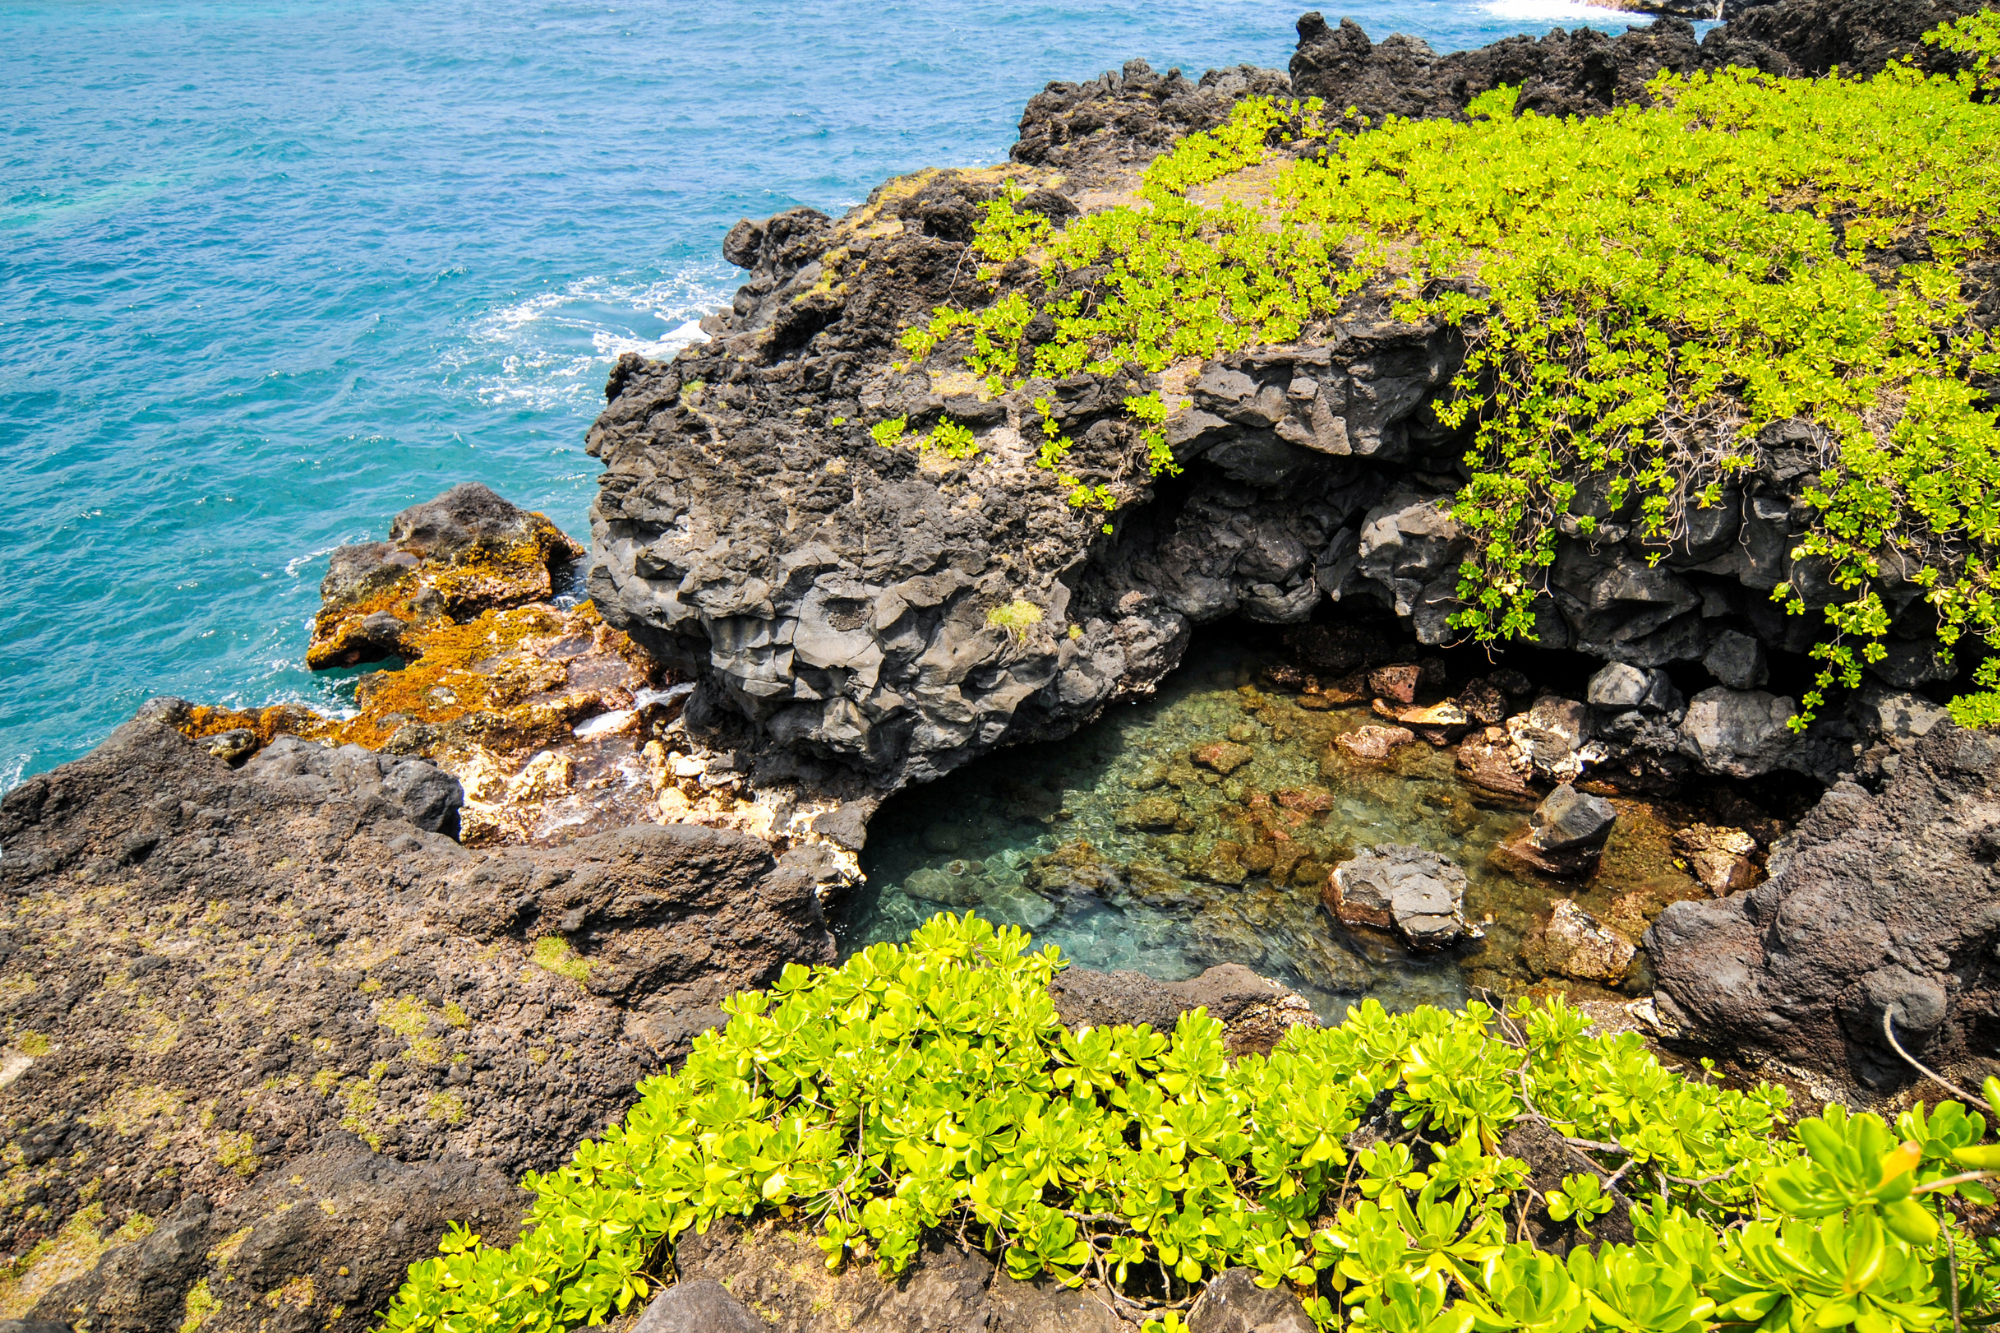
(283, 992)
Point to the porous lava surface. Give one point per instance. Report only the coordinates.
(1879, 904)
(216, 979)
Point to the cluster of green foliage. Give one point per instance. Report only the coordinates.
(1643, 293)
(948, 437)
(933, 1087)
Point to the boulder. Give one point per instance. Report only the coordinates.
(701, 1306)
(1618, 686)
(1488, 762)
(1574, 944)
(1550, 736)
(1254, 1011)
(1877, 903)
(1416, 892)
(1563, 838)
(1397, 682)
(1484, 702)
(1737, 661)
(1739, 733)
(1568, 819)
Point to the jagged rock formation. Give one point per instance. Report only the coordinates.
(847, 608)
(211, 976)
(1877, 903)
(1582, 71)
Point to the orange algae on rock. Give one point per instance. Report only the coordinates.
(465, 553)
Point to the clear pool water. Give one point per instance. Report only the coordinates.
(1044, 837)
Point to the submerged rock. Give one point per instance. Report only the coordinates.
(1412, 890)
(1224, 757)
(1372, 744)
(1155, 812)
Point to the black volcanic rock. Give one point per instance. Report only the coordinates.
(1879, 903)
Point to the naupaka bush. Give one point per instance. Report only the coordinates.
(932, 1086)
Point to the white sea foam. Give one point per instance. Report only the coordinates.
(1560, 11)
(551, 349)
(298, 562)
(10, 773)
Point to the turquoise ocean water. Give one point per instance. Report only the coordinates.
(270, 272)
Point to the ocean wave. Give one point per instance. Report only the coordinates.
(1560, 11)
(548, 351)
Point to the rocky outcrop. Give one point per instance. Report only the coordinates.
(1578, 71)
(1096, 133)
(1583, 71)
(556, 725)
(211, 976)
(337, 1229)
(1877, 904)
(445, 562)
(850, 611)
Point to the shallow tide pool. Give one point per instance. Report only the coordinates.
(1116, 847)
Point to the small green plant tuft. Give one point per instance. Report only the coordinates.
(948, 438)
(1016, 617)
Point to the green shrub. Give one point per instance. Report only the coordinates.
(1642, 293)
(933, 1086)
